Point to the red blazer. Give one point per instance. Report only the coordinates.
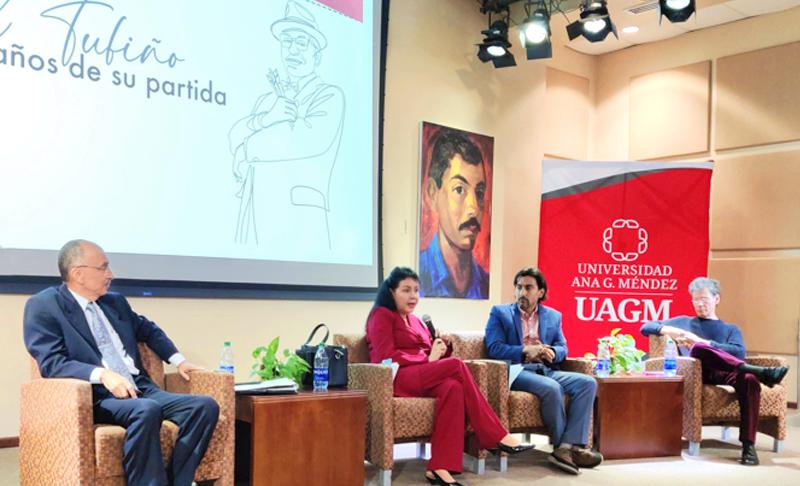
(389, 337)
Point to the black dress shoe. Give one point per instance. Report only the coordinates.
(768, 375)
(511, 450)
(749, 456)
(438, 480)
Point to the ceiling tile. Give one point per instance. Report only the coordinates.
(760, 7)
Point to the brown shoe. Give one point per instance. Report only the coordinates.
(562, 459)
(584, 457)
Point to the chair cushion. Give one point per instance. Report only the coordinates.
(524, 410)
(413, 417)
(108, 440)
(719, 402)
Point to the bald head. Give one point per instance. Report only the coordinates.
(71, 254)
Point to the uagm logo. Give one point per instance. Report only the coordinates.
(625, 240)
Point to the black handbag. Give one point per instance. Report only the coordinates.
(337, 359)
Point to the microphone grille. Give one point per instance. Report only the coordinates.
(426, 318)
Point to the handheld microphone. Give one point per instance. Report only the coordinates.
(428, 322)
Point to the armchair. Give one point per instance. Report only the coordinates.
(59, 442)
(393, 420)
(518, 411)
(717, 404)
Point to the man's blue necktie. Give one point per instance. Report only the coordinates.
(109, 353)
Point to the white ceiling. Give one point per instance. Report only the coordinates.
(709, 13)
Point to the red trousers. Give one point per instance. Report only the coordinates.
(457, 399)
(721, 368)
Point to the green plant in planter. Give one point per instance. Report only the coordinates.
(269, 365)
(625, 357)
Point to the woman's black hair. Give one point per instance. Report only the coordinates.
(385, 297)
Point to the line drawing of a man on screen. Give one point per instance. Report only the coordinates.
(299, 121)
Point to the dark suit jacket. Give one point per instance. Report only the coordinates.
(504, 333)
(58, 337)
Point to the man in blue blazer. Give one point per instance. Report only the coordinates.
(80, 330)
(530, 333)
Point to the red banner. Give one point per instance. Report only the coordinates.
(619, 243)
(352, 8)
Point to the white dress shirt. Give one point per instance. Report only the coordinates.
(94, 378)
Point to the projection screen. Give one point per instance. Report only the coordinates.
(224, 142)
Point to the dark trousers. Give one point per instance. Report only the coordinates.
(721, 368)
(457, 399)
(195, 415)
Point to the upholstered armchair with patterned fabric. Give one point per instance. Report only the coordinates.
(394, 420)
(717, 404)
(518, 411)
(59, 443)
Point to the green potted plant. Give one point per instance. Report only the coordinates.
(625, 357)
(269, 365)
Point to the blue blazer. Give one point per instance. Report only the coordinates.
(58, 337)
(504, 333)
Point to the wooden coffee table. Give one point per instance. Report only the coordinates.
(308, 438)
(638, 416)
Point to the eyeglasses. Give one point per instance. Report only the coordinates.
(103, 268)
(703, 299)
(301, 43)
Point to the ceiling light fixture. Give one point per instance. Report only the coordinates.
(594, 23)
(495, 45)
(534, 33)
(675, 10)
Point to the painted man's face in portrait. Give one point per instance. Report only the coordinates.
(299, 52)
(459, 202)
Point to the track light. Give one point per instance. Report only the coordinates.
(534, 33)
(495, 45)
(594, 23)
(675, 10)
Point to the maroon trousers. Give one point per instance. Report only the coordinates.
(457, 398)
(721, 368)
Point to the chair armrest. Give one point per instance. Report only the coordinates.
(763, 360)
(578, 365)
(496, 391)
(376, 379)
(56, 433)
(215, 384)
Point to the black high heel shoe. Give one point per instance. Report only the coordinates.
(441, 482)
(509, 449)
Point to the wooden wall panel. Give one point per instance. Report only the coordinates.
(758, 97)
(761, 296)
(755, 202)
(567, 114)
(669, 112)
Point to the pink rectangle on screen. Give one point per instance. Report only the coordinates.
(352, 8)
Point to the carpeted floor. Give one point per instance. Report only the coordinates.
(716, 464)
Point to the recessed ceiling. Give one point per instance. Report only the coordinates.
(644, 14)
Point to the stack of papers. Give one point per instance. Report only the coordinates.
(278, 386)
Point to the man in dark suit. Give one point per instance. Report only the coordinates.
(530, 333)
(81, 330)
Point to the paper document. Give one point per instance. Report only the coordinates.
(395, 366)
(278, 384)
(513, 372)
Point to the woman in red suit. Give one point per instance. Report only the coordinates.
(427, 370)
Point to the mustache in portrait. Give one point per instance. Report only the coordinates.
(471, 222)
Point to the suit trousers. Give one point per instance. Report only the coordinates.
(195, 415)
(457, 398)
(721, 368)
(569, 426)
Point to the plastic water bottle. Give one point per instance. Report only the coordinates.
(670, 358)
(226, 358)
(321, 369)
(603, 361)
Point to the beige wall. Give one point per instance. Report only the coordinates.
(755, 228)
(432, 75)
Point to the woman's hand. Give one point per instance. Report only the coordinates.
(438, 348)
